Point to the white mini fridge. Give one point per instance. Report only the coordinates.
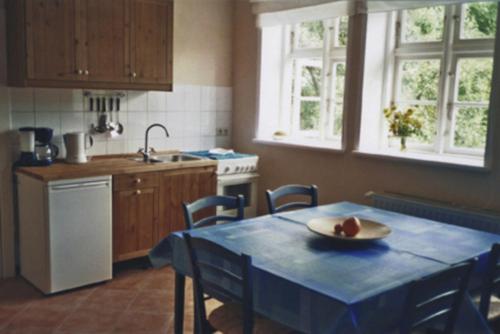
(65, 232)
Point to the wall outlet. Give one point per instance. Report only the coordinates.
(222, 132)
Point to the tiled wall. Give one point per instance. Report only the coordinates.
(192, 115)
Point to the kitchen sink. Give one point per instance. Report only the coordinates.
(170, 158)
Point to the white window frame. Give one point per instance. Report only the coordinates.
(328, 55)
(449, 51)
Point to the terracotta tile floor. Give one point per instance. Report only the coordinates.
(136, 301)
(139, 300)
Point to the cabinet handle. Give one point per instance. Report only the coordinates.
(79, 72)
(138, 180)
(86, 72)
(134, 75)
(138, 192)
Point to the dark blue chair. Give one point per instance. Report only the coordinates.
(228, 202)
(491, 282)
(289, 190)
(436, 299)
(236, 271)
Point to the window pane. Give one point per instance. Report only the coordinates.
(342, 31)
(471, 126)
(419, 80)
(339, 81)
(423, 24)
(337, 121)
(339, 98)
(309, 115)
(311, 34)
(479, 20)
(427, 115)
(311, 80)
(474, 79)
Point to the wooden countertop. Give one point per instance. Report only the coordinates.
(106, 165)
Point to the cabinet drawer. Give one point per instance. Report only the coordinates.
(135, 181)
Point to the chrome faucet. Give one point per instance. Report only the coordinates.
(146, 152)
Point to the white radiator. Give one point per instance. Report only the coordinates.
(442, 212)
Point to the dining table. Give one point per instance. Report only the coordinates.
(314, 284)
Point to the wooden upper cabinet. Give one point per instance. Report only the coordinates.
(51, 39)
(113, 44)
(105, 35)
(151, 41)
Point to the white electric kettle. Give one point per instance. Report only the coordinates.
(76, 146)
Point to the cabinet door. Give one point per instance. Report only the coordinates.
(135, 214)
(151, 41)
(105, 53)
(51, 39)
(183, 186)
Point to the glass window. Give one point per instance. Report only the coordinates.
(479, 20)
(471, 126)
(311, 35)
(474, 79)
(472, 99)
(341, 36)
(338, 101)
(419, 79)
(423, 25)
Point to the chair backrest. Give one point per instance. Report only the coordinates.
(228, 202)
(288, 190)
(229, 277)
(437, 298)
(491, 282)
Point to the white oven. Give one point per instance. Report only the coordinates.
(236, 175)
(239, 184)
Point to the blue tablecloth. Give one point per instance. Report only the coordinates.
(312, 284)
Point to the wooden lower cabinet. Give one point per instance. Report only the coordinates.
(182, 186)
(135, 220)
(148, 206)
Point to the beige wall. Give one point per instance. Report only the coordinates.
(343, 176)
(202, 42)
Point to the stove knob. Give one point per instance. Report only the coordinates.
(226, 170)
(237, 169)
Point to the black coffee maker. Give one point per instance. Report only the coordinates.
(45, 151)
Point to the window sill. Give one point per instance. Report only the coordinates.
(301, 143)
(446, 160)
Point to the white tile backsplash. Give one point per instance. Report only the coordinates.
(137, 101)
(192, 124)
(137, 124)
(72, 121)
(157, 101)
(208, 98)
(47, 100)
(22, 99)
(223, 99)
(208, 121)
(190, 113)
(193, 98)
(22, 119)
(49, 120)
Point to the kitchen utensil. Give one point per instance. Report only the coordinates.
(370, 230)
(45, 150)
(27, 147)
(76, 146)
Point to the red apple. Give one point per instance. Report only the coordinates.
(351, 226)
(337, 229)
